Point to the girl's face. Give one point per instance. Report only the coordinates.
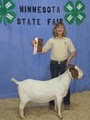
(60, 30)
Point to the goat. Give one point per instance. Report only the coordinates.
(44, 91)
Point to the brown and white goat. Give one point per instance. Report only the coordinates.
(44, 91)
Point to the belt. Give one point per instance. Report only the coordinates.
(60, 62)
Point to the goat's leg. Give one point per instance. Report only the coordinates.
(59, 101)
(21, 109)
(55, 107)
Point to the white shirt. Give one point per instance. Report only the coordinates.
(60, 48)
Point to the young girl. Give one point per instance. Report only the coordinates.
(62, 52)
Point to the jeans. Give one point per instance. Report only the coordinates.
(57, 69)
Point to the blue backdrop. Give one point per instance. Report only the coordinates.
(21, 22)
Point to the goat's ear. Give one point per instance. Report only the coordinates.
(74, 73)
(71, 69)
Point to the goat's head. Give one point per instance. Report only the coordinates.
(75, 72)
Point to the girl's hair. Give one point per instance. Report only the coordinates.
(55, 27)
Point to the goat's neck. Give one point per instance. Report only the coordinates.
(66, 78)
(66, 74)
(69, 73)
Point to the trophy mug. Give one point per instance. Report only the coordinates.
(40, 44)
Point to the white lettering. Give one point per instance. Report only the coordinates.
(79, 6)
(80, 17)
(9, 16)
(8, 5)
(69, 7)
(69, 17)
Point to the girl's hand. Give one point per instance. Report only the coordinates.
(33, 42)
(70, 57)
(41, 52)
(68, 61)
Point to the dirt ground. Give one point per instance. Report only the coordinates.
(80, 109)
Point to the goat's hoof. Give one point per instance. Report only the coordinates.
(61, 118)
(22, 117)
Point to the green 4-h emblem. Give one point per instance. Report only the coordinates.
(6, 13)
(74, 12)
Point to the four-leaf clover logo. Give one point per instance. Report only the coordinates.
(74, 12)
(6, 13)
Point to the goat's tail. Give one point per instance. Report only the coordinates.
(15, 81)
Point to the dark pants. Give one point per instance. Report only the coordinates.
(57, 69)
